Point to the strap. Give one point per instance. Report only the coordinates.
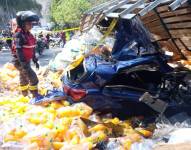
(24, 87)
(26, 46)
(33, 87)
(109, 30)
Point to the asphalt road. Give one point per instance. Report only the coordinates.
(48, 54)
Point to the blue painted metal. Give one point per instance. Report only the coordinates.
(99, 72)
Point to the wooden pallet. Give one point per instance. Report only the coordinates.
(171, 28)
(125, 9)
(169, 21)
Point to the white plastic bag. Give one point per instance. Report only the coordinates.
(180, 136)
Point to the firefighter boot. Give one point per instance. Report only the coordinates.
(36, 97)
(34, 90)
(34, 93)
(24, 90)
(24, 93)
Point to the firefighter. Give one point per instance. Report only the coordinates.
(23, 50)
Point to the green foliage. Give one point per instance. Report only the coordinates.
(68, 12)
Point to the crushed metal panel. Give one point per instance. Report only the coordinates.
(116, 15)
(113, 8)
(126, 6)
(176, 4)
(113, 15)
(128, 16)
(135, 5)
(151, 6)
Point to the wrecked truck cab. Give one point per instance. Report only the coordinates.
(118, 87)
(115, 86)
(110, 84)
(137, 79)
(138, 84)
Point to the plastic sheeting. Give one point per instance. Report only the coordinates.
(181, 135)
(81, 44)
(171, 133)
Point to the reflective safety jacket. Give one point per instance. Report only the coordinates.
(24, 45)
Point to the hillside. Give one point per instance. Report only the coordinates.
(8, 8)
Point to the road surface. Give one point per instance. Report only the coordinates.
(48, 54)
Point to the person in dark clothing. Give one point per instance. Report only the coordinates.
(48, 37)
(47, 40)
(9, 40)
(23, 50)
(63, 38)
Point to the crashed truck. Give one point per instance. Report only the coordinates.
(135, 78)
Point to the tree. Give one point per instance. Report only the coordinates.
(68, 12)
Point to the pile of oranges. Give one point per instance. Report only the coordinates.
(57, 125)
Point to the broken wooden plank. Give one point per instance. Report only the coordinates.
(150, 19)
(163, 33)
(157, 37)
(176, 12)
(182, 46)
(162, 9)
(136, 11)
(178, 19)
(160, 36)
(153, 24)
(166, 8)
(181, 35)
(179, 25)
(151, 6)
(157, 29)
(88, 21)
(186, 38)
(168, 45)
(180, 31)
(179, 44)
(149, 14)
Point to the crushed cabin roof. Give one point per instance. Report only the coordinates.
(169, 21)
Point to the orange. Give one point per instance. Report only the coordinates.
(57, 145)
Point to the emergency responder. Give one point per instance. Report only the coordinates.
(24, 51)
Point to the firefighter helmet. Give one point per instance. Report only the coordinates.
(24, 16)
